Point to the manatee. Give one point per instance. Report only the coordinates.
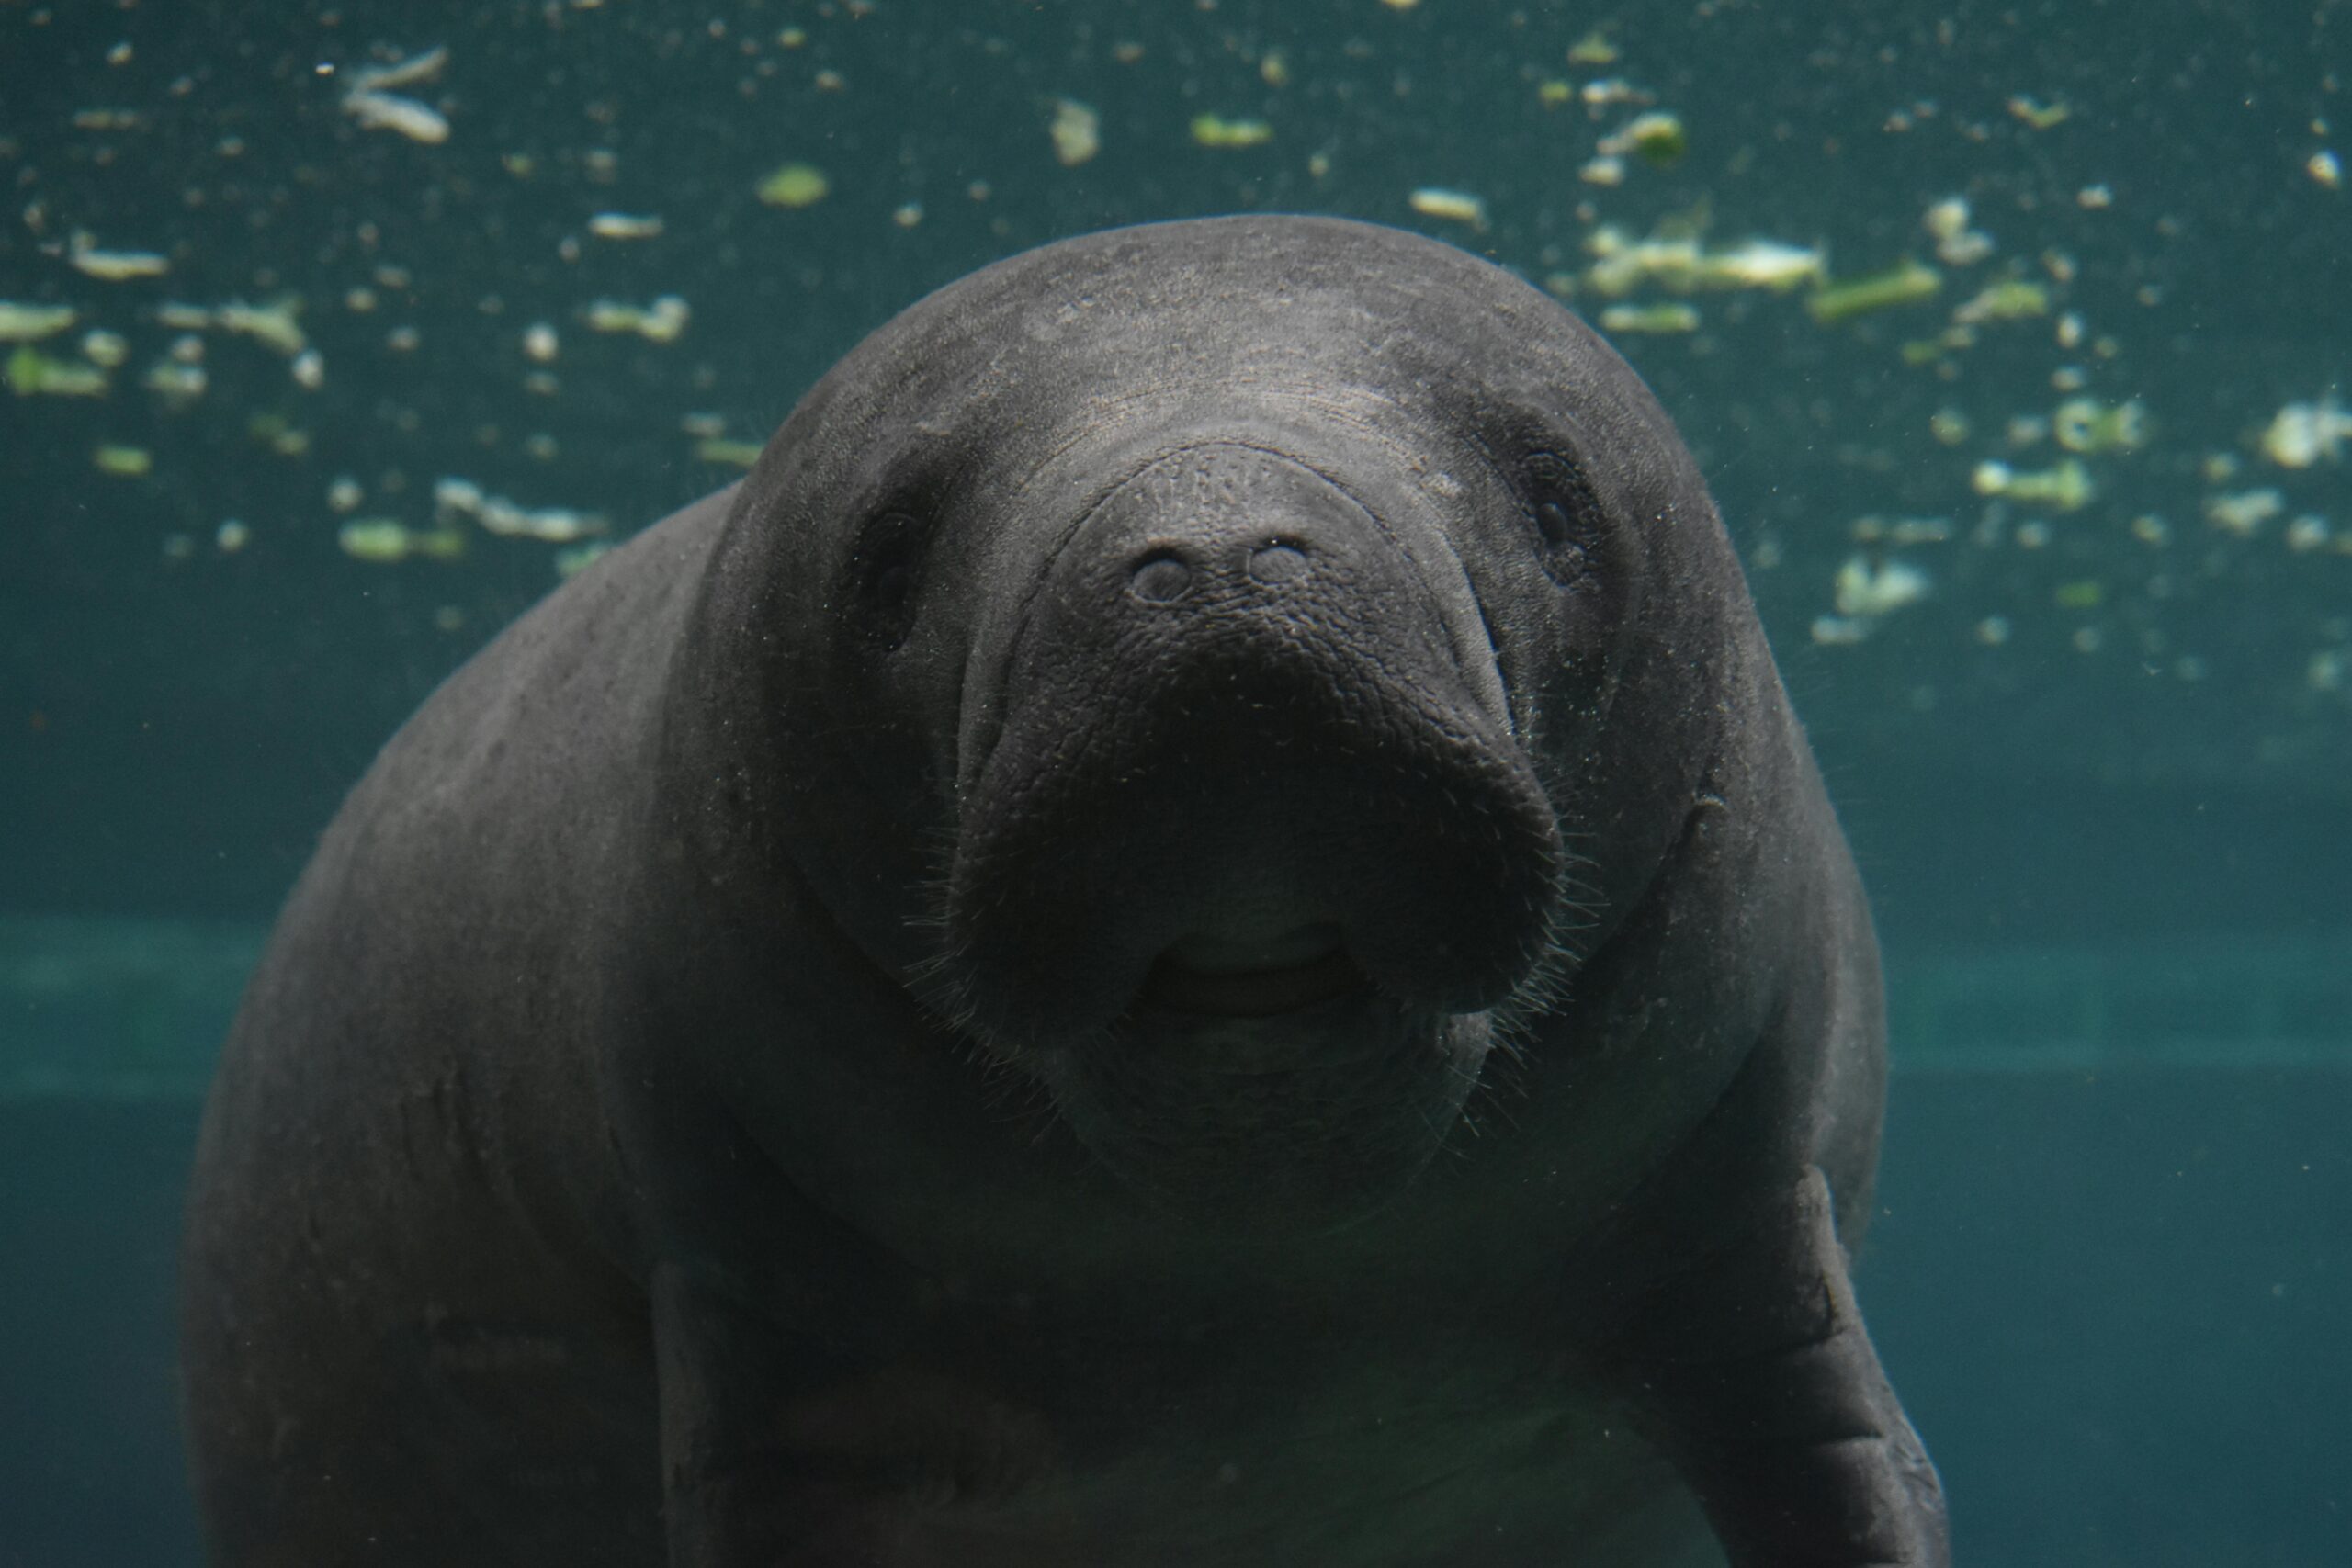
(1193, 929)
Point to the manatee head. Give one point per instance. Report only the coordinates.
(1203, 664)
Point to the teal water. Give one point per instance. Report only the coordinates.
(2056, 556)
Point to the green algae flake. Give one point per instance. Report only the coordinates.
(30, 323)
(1904, 283)
(31, 373)
(1215, 131)
(794, 184)
(718, 449)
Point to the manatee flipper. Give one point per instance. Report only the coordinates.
(1757, 1371)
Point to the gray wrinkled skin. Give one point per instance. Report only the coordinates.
(1193, 929)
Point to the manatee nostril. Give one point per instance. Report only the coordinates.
(1161, 577)
(1277, 562)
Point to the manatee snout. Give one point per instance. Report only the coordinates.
(1255, 781)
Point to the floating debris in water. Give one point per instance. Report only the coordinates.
(123, 462)
(1906, 282)
(1903, 530)
(1656, 138)
(1957, 244)
(720, 449)
(2088, 425)
(366, 101)
(1678, 263)
(1076, 131)
(1931, 350)
(108, 119)
(660, 322)
(30, 323)
(386, 540)
(1865, 591)
(32, 372)
(407, 72)
(1593, 49)
(1215, 130)
(1673, 317)
(457, 498)
(177, 381)
(1603, 91)
(274, 325)
(2302, 433)
(387, 111)
(624, 226)
(113, 267)
(2040, 115)
(1457, 205)
(2011, 300)
(266, 214)
(2307, 533)
(2068, 486)
(1621, 266)
(794, 184)
(1764, 263)
(2243, 512)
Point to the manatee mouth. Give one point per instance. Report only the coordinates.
(1230, 976)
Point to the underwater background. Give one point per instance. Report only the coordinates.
(2012, 338)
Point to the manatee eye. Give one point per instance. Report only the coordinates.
(884, 571)
(1562, 506)
(1551, 522)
